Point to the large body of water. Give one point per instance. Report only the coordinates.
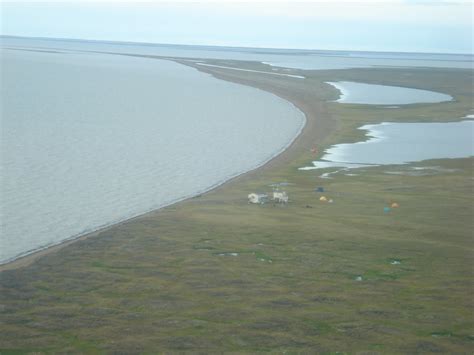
(299, 59)
(92, 139)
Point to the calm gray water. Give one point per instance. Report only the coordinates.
(89, 140)
(361, 93)
(298, 59)
(400, 143)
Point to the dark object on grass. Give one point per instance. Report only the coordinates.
(320, 189)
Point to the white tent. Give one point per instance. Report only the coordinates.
(257, 198)
(280, 196)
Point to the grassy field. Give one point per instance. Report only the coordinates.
(215, 274)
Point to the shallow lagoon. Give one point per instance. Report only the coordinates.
(361, 93)
(401, 143)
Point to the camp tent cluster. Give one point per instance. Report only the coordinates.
(260, 198)
(282, 197)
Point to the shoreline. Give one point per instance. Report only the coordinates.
(305, 138)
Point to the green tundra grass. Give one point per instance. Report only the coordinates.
(215, 274)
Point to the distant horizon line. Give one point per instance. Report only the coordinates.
(227, 46)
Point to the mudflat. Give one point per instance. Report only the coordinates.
(214, 273)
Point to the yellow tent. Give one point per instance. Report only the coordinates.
(323, 199)
(394, 205)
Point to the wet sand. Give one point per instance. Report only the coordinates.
(305, 96)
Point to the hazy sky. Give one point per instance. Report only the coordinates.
(384, 25)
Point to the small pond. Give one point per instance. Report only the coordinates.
(360, 93)
(400, 143)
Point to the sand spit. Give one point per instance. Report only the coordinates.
(251, 71)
